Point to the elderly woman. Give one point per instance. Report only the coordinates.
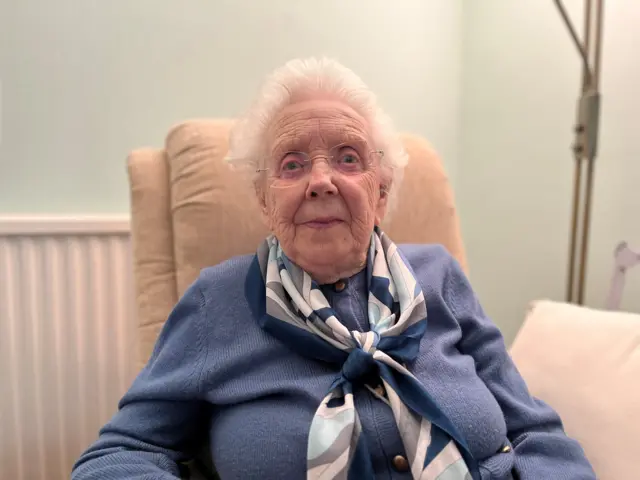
(331, 352)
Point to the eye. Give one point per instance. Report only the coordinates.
(348, 158)
(291, 165)
(292, 162)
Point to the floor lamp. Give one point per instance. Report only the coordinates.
(586, 142)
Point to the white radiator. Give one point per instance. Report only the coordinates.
(67, 338)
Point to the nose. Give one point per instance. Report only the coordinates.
(321, 181)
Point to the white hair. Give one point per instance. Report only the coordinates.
(322, 77)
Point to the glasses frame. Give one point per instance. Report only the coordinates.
(329, 157)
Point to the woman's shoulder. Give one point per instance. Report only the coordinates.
(430, 259)
(225, 277)
(222, 294)
(436, 270)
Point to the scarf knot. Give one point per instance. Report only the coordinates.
(359, 366)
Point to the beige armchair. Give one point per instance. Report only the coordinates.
(189, 210)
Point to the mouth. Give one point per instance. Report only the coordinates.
(324, 222)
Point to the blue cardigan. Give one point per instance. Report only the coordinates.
(215, 376)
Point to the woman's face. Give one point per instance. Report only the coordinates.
(321, 194)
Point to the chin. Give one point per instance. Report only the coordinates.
(329, 251)
(323, 251)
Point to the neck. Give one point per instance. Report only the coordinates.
(326, 273)
(331, 275)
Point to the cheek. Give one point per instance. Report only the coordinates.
(282, 205)
(361, 198)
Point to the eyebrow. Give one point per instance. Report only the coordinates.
(302, 143)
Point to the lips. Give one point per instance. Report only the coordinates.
(323, 222)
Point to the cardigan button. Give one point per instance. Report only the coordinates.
(340, 285)
(400, 463)
(380, 391)
(506, 449)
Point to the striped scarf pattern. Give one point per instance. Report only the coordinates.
(298, 313)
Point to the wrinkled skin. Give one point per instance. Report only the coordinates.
(339, 251)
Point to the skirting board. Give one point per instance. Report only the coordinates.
(11, 225)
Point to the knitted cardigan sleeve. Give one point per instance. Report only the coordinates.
(541, 447)
(160, 419)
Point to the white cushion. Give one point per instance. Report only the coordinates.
(585, 363)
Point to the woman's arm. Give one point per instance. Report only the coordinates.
(162, 418)
(542, 449)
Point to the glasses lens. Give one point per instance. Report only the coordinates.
(295, 166)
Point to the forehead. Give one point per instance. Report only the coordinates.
(317, 122)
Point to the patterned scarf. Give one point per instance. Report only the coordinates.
(299, 314)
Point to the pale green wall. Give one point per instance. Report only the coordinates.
(84, 82)
(493, 87)
(521, 80)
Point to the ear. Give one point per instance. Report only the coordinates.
(383, 202)
(262, 204)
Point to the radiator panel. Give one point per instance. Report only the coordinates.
(67, 343)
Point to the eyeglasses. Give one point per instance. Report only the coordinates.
(343, 158)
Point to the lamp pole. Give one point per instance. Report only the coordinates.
(585, 143)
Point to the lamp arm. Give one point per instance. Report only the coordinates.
(574, 37)
(586, 143)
